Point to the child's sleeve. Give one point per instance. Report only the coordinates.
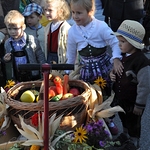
(143, 87)
(39, 53)
(71, 53)
(111, 40)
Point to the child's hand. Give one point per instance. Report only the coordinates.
(137, 111)
(7, 57)
(118, 67)
(112, 76)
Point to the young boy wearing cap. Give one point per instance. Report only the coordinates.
(132, 86)
(33, 15)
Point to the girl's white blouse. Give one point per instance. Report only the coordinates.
(97, 34)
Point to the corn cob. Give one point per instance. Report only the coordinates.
(35, 147)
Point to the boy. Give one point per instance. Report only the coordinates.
(21, 48)
(33, 15)
(132, 86)
(5, 7)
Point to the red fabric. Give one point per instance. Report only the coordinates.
(53, 41)
(34, 119)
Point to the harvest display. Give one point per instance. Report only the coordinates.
(58, 90)
(73, 104)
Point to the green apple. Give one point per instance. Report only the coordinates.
(27, 96)
(67, 95)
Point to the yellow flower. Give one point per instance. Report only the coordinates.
(9, 84)
(100, 82)
(80, 135)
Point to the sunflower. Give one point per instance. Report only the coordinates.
(80, 135)
(9, 84)
(101, 82)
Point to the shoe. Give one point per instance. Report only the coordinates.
(128, 146)
(120, 140)
(113, 128)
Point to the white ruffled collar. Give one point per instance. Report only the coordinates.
(55, 26)
(87, 31)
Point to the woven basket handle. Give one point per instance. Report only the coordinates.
(38, 67)
(42, 88)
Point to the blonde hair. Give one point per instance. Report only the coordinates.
(89, 5)
(62, 6)
(14, 17)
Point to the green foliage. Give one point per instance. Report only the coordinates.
(16, 146)
(66, 143)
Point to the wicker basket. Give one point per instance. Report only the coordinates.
(74, 109)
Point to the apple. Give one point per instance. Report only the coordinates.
(52, 92)
(67, 95)
(74, 91)
(27, 97)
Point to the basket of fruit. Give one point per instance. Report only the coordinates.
(66, 97)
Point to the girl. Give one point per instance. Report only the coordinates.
(56, 31)
(89, 37)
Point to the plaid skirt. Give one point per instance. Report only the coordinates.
(94, 67)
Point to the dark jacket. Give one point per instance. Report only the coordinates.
(134, 83)
(124, 9)
(5, 7)
(103, 3)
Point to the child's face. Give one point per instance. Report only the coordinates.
(51, 12)
(125, 46)
(15, 31)
(33, 20)
(80, 15)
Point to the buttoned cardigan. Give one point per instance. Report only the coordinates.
(62, 41)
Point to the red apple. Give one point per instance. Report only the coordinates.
(52, 92)
(74, 91)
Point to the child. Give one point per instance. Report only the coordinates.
(99, 10)
(5, 7)
(70, 20)
(21, 48)
(33, 14)
(44, 20)
(89, 37)
(132, 87)
(56, 11)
